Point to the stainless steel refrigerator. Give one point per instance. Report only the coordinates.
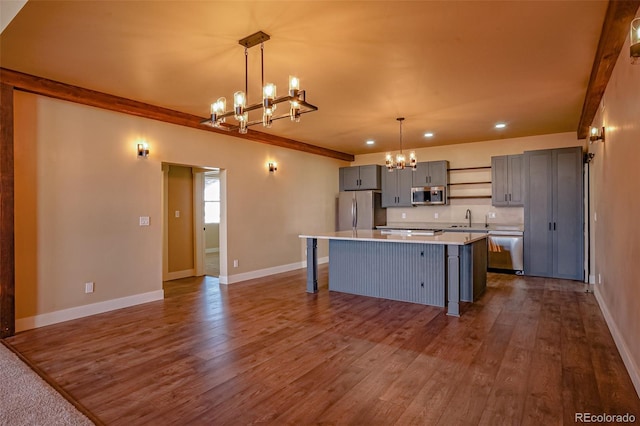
(360, 210)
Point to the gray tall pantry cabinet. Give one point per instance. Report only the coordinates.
(553, 213)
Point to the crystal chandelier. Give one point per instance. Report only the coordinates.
(400, 161)
(269, 104)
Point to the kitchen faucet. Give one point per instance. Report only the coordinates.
(468, 216)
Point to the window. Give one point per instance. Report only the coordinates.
(211, 199)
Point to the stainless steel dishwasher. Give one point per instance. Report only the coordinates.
(506, 250)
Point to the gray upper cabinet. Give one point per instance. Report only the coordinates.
(360, 178)
(553, 213)
(431, 173)
(507, 180)
(396, 188)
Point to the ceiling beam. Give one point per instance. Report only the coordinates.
(54, 89)
(615, 30)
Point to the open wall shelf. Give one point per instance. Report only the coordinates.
(470, 183)
(482, 171)
(469, 168)
(459, 197)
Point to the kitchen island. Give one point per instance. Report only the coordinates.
(440, 269)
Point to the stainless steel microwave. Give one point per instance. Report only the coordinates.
(428, 195)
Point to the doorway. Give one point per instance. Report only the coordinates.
(212, 209)
(193, 197)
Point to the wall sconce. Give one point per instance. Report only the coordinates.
(273, 167)
(596, 134)
(143, 150)
(635, 41)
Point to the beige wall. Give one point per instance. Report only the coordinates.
(80, 191)
(615, 179)
(475, 154)
(180, 219)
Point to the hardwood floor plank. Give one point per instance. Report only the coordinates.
(530, 351)
(506, 402)
(543, 401)
(611, 376)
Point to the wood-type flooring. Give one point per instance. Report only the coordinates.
(531, 351)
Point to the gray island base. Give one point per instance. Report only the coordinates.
(439, 270)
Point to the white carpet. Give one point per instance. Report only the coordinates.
(26, 399)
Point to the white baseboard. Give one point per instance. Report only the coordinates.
(629, 363)
(230, 279)
(176, 275)
(49, 318)
(212, 250)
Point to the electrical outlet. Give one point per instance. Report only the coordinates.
(88, 287)
(235, 263)
(404, 215)
(436, 215)
(492, 215)
(144, 220)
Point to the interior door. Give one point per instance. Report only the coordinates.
(538, 214)
(568, 235)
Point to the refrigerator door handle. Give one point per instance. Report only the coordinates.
(355, 216)
(353, 212)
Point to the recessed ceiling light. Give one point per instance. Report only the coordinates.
(501, 126)
(370, 142)
(428, 135)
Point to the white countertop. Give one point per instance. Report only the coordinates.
(446, 238)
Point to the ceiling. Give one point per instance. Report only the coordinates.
(454, 68)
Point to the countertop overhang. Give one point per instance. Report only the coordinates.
(446, 238)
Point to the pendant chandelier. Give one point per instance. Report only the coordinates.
(399, 162)
(269, 104)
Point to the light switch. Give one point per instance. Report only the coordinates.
(144, 220)
(177, 213)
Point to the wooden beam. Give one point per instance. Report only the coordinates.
(7, 230)
(615, 30)
(54, 89)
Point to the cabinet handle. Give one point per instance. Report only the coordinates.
(554, 226)
(509, 197)
(505, 197)
(549, 226)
